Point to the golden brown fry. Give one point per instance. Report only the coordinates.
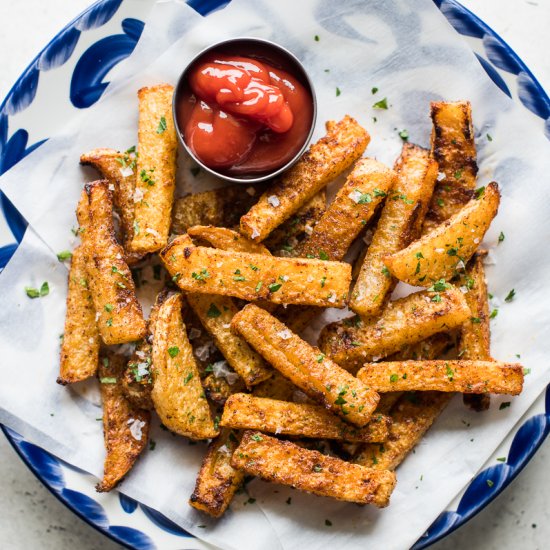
(352, 208)
(156, 170)
(80, 346)
(285, 239)
(218, 389)
(177, 394)
(454, 149)
(354, 341)
(475, 334)
(443, 252)
(443, 375)
(119, 168)
(310, 471)
(119, 314)
(343, 145)
(244, 411)
(220, 207)
(215, 313)
(276, 387)
(217, 481)
(256, 276)
(315, 374)
(412, 416)
(226, 239)
(126, 428)
(400, 223)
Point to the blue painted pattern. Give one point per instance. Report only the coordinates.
(87, 85)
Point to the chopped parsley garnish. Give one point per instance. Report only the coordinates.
(479, 192)
(108, 308)
(439, 286)
(109, 322)
(173, 351)
(440, 202)
(504, 405)
(494, 313)
(323, 280)
(323, 255)
(378, 192)
(187, 378)
(394, 378)
(253, 267)
(152, 444)
(449, 372)
(316, 38)
(382, 104)
(146, 178)
(259, 286)
(501, 237)
(386, 271)
(501, 459)
(202, 275)
(162, 125)
(108, 380)
(274, 287)
(364, 198)
(328, 523)
(317, 468)
(475, 320)
(136, 227)
(510, 296)
(256, 437)
(320, 358)
(213, 311)
(374, 90)
(36, 293)
(239, 278)
(489, 138)
(404, 135)
(64, 255)
(490, 483)
(338, 92)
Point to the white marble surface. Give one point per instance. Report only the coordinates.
(33, 518)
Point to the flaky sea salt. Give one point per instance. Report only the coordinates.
(355, 196)
(332, 298)
(220, 369)
(126, 172)
(138, 195)
(284, 334)
(136, 427)
(273, 201)
(255, 233)
(440, 176)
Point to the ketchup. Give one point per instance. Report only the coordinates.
(243, 116)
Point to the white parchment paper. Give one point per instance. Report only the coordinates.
(408, 51)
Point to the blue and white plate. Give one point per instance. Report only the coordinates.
(79, 60)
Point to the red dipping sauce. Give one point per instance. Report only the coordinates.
(243, 115)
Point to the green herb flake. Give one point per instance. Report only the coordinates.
(494, 313)
(394, 378)
(323, 255)
(259, 286)
(152, 444)
(213, 311)
(374, 90)
(475, 320)
(317, 468)
(256, 437)
(338, 92)
(187, 378)
(378, 192)
(239, 278)
(382, 104)
(274, 287)
(328, 523)
(439, 286)
(479, 192)
(316, 38)
(108, 308)
(501, 237)
(109, 322)
(449, 372)
(504, 405)
(490, 483)
(436, 298)
(511, 295)
(386, 271)
(162, 125)
(404, 135)
(64, 255)
(320, 358)
(108, 380)
(173, 351)
(136, 227)
(489, 138)
(501, 459)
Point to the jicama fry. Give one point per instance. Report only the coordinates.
(285, 239)
(215, 313)
(343, 145)
(218, 389)
(405, 321)
(226, 239)
(217, 481)
(244, 411)
(256, 276)
(400, 222)
(277, 387)
(475, 333)
(177, 394)
(156, 170)
(443, 252)
(316, 375)
(445, 376)
(368, 184)
(118, 312)
(310, 471)
(126, 428)
(80, 345)
(220, 207)
(411, 416)
(119, 169)
(454, 149)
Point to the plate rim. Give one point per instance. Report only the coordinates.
(422, 543)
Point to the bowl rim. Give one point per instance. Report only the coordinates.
(308, 81)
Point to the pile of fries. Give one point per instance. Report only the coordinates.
(245, 270)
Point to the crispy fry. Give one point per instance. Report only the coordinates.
(220, 207)
(352, 208)
(126, 428)
(315, 374)
(475, 334)
(177, 394)
(156, 170)
(412, 416)
(217, 481)
(137, 381)
(400, 223)
(276, 387)
(454, 149)
(120, 169)
(310, 471)
(443, 375)
(118, 312)
(256, 276)
(343, 145)
(226, 239)
(354, 341)
(215, 313)
(285, 239)
(80, 347)
(244, 411)
(444, 251)
(218, 389)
